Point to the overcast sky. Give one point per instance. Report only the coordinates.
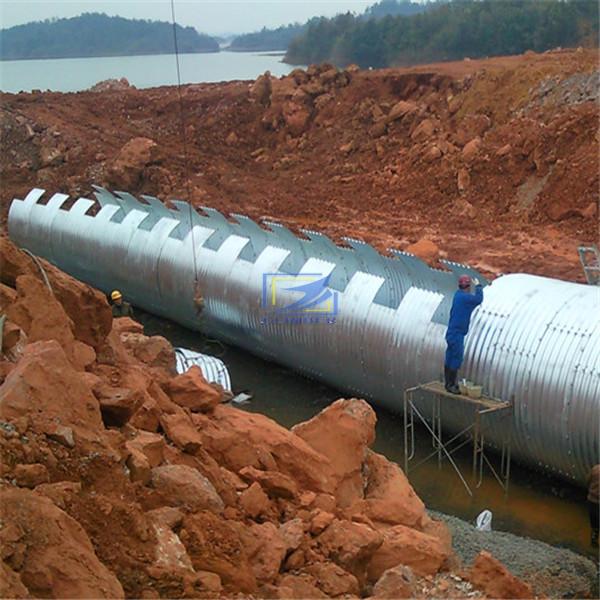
(211, 16)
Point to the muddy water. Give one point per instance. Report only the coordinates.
(536, 506)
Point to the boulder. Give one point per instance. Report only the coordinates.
(424, 554)
(424, 130)
(170, 552)
(300, 586)
(296, 116)
(261, 89)
(463, 180)
(180, 429)
(60, 493)
(342, 432)
(491, 577)
(320, 520)
(191, 390)
(237, 439)
(277, 485)
(213, 544)
(45, 379)
(151, 445)
(154, 351)
(117, 404)
(350, 545)
(397, 582)
(471, 149)
(389, 497)
(30, 475)
(400, 110)
(60, 562)
(474, 125)
(254, 502)
(333, 580)
(125, 172)
(266, 550)
(292, 534)
(42, 317)
(180, 485)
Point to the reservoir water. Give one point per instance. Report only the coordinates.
(536, 506)
(76, 74)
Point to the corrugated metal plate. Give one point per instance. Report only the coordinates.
(535, 340)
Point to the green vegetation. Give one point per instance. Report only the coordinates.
(94, 34)
(267, 39)
(448, 31)
(280, 38)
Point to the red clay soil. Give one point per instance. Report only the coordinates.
(495, 161)
(119, 478)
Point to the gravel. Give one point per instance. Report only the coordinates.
(553, 572)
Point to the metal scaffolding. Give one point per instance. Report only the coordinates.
(482, 409)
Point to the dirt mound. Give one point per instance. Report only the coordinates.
(115, 480)
(492, 161)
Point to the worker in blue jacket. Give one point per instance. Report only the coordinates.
(463, 304)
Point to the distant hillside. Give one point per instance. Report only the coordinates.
(94, 34)
(448, 31)
(280, 38)
(267, 39)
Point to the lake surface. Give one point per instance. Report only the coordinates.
(75, 74)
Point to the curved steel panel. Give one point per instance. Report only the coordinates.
(533, 340)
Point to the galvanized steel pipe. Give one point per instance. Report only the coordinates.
(534, 340)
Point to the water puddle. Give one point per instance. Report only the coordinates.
(536, 506)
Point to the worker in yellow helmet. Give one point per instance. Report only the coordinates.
(120, 308)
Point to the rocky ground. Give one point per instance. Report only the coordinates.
(119, 478)
(491, 162)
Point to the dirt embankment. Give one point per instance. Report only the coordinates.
(494, 161)
(119, 478)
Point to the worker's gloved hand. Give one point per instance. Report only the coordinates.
(475, 281)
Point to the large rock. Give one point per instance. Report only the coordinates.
(151, 445)
(493, 578)
(60, 560)
(297, 117)
(260, 90)
(401, 109)
(350, 545)
(301, 586)
(42, 317)
(214, 544)
(237, 439)
(180, 485)
(86, 307)
(277, 485)
(389, 497)
(180, 429)
(266, 550)
(191, 390)
(424, 130)
(342, 432)
(126, 171)
(333, 580)
(154, 351)
(397, 582)
(471, 149)
(424, 554)
(46, 388)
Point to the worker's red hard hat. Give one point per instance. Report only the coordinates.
(464, 281)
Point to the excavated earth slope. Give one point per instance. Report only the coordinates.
(491, 162)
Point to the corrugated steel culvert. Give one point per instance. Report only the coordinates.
(533, 339)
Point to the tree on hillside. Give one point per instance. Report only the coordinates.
(96, 34)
